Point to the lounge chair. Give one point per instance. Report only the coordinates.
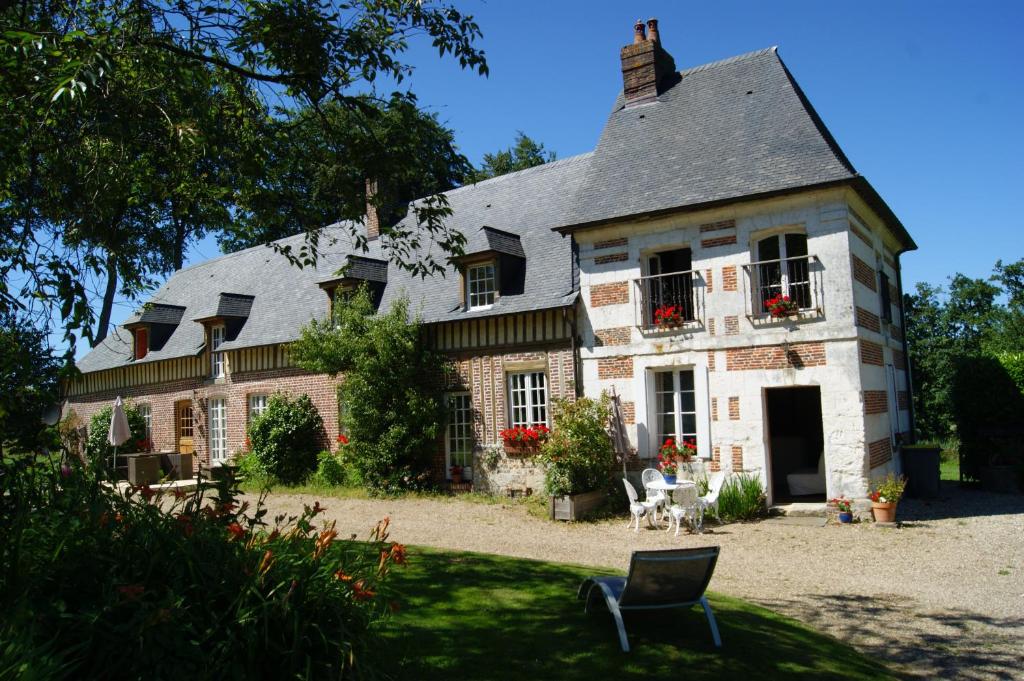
(676, 578)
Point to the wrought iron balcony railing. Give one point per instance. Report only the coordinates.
(799, 278)
(673, 300)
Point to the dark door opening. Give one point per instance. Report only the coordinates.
(796, 444)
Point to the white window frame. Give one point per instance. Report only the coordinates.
(677, 411)
(647, 384)
(257, 404)
(459, 439)
(528, 393)
(481, 291)
(218, 429)
(146, 412)
(216, 358)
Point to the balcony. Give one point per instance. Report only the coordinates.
(798, 277)
(681, 293)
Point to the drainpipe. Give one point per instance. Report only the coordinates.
(906, 348)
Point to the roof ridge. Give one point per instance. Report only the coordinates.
(519, 173)
(729, 60)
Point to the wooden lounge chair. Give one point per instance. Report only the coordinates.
(676, 578)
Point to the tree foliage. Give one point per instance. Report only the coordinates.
(969, 318)
(28, 374)
(524, 153)
(286, 437)
(131, 127)
(391, 391)
(99, 449)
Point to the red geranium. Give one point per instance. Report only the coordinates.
(536, 433)
(668, 315)
(342, 439)
(781, 306)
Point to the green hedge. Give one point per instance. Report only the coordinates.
(988, 406)
(286, 438)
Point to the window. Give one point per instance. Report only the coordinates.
(257, 405)
(459, 439)
(676, 404)
(218, 430)
(216, 358)
(480, 286)
(886, 299)
(528, 398)
(783, 269)
(147, 417)
(141, 343)
(670, 282)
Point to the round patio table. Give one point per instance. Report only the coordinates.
(669, 487)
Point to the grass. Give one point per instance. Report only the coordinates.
(476, 616)
(949, 460)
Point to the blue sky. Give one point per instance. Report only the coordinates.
(925, 98)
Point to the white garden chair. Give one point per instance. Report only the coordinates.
(648, 476)
(637, 508)
(710, 500)
(684, 506)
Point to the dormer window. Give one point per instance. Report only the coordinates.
(481, 286)
(216, 358)
(141, 343)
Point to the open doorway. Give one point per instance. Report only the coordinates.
(796, 444)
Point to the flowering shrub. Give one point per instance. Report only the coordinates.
(667, 466)
(843, 505)
(781, 306)
(140, 585)
(668, 315)
(578, 456)
(537, 433)
(889, 490)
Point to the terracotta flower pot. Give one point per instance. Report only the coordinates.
(884, 513)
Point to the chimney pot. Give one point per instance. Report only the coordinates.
(652, 30)
(639, 34)
(647, 69)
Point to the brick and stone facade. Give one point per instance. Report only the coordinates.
(842, 347)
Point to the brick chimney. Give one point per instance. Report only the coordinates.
(646, 67)
(372, 216)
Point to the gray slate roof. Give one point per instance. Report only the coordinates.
(503, 242)
(157, 314)
(727, 129)
(528, 203)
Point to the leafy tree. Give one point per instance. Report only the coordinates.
(99, 449)
(130, 126)
(29, 374)
(391, 389)
(946, 327)
(525, 153)
(313, 168)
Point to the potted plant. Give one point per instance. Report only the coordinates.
(781, 306)
(578, 457)
(845, 508)
(674, 455)
(524, 440)
(668, 316)
(885, 496)
(456, 472)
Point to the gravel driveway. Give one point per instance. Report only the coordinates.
(943, 596)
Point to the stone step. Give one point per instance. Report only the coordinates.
(800, 510)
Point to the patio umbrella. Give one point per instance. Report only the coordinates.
(119, 432)
(618, 432)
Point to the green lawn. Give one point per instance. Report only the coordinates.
(476, 616)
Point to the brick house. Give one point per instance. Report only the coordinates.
(711, 190)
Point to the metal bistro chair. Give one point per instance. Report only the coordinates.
(648, 476)
(637, 508)
(710, 500)
(684, 506)
(676, 578)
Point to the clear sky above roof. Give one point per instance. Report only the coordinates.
(924, 98)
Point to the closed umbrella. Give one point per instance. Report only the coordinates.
(119, 431)
(618, 428)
